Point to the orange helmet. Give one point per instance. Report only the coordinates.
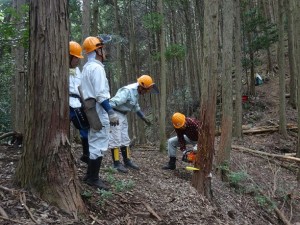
(178, 120)
(75, 49)
(145, 81)
(91, 43)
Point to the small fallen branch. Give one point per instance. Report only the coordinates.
(15, 221)
(283, 157)
(282, 216)
(7, 189)
(152, 212)
(23, 202)
(3, 213)
(101, 222)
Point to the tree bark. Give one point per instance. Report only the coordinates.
(163, 84)
(282, 106)
(293, 78)
(223, 157)
(201, 179)
(47, 165)
(296, 35)
(18, 87)
(86, 18)
(238, 72)
(95, 19)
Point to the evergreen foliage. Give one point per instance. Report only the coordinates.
(10, 37)
(153, 21)
(262, 32)
(175, 51)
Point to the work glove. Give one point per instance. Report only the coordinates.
(147, 121)
(113, 118)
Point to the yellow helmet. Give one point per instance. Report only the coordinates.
(178, 120)
(92, 43)
(75, 49)
(145, 81)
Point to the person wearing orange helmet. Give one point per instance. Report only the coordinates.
(186, 133)
(126, 100)
(95, 91)
(77, 115)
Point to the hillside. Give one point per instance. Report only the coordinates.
(260, 188)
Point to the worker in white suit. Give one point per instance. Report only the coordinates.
(95, 91)
(77, 115)
(126, 100)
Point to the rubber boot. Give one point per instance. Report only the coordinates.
(116, 159)
(126, 158)
(93, 174)
(171, 164)
(85, 150)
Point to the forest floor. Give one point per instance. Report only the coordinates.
(259, 188)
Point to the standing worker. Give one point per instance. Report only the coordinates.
(95, 90)
(77, 115)
(187, 133)
(126, 100)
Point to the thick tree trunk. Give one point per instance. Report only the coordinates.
(47, 165)
(201, 179)
(223, 156)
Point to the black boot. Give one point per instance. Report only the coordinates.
(171, 164)
(92, 174)
(126, 158)
(116, 159)
(85, 150)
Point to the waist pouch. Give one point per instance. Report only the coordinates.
(79, 118)
(91, 114)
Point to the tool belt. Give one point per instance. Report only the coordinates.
(120, 111)
(75, 96)
(79, 119)
(91, 114)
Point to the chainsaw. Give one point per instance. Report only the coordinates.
(189, 156)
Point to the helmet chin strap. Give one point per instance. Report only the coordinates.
(70, 61)
(101, 55)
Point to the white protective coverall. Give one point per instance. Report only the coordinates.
(74, 82)
(94, 84)
(125, 100)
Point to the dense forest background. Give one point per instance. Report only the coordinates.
(135, 48)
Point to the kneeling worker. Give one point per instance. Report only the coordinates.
(187, 133)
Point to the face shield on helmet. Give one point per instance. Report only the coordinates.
(91, 44)
(146, 82)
